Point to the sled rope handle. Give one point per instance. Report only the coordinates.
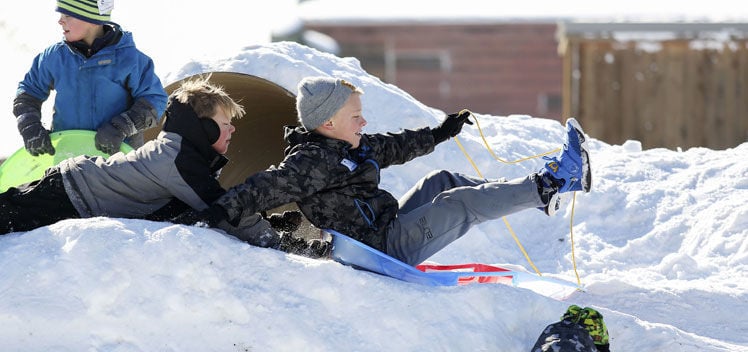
(506, 222)
(490, 151)
(571, 233)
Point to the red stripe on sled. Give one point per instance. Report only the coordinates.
(471, 267)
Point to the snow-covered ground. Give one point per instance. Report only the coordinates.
(660, 246)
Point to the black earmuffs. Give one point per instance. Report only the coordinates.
(182, 119)
(212, 131)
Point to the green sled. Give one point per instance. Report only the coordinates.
(22, 168)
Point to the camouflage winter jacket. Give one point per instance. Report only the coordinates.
(334, 186)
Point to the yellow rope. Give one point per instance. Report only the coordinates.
(457, 140)
(521, 248)
(571, 233)
(506, 222)
(490, 151)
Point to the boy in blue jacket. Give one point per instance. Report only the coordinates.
(102, 81)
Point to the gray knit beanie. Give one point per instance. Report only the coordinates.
(319, 98)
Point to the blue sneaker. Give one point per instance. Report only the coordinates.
(570, 171)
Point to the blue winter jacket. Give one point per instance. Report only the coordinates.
(91, 91)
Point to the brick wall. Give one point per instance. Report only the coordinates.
(497, 69)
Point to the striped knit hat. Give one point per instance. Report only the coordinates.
(92, 11)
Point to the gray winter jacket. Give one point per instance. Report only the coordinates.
(179, 164)
(334, 186)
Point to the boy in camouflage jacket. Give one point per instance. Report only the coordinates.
(331, 171)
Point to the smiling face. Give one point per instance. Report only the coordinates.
(227, 129)
(347, 123)
(74, 29)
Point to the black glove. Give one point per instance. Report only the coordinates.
(210, 216)
(314, 248)
(109, 138)
(35, 136)
(110, 135)
(451, 126)
(253, 229)
(288, 221)
(192, 217)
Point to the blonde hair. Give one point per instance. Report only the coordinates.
(204, 97)
(351, 87)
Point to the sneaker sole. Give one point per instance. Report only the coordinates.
(556, 202)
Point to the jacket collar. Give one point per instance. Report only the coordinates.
(112, 35)
(297, 135)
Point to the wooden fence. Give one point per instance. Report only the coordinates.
(679, 92)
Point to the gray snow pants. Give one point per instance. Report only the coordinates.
(443, 206)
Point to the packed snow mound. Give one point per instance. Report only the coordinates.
(659, 245)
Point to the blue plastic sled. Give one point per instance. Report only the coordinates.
(348, 251)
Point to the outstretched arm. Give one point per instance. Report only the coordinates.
(294, 179)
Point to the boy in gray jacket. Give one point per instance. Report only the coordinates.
(332, 171)
(167, 176)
